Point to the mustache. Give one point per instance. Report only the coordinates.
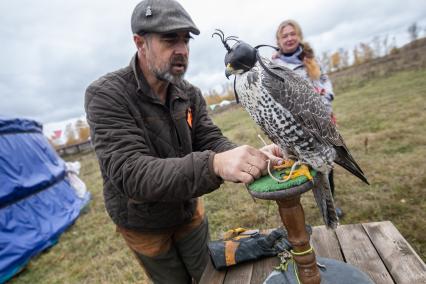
(179, 59)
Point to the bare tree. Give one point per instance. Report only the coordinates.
(357, 56)
(385, 45)
(413, 31)
(367, 52)
(393, 49)
(393, 44)
(335, 61)
(344, 58)
(82, 129)
(70, 135)
(325, 61)
(377, 46)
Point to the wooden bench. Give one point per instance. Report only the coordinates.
(378, 249)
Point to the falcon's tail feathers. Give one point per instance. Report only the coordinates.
(345, 160)
(325, 202)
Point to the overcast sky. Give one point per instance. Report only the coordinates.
(51, 50)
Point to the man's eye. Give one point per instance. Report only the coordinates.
(170, 40)
(175, 40)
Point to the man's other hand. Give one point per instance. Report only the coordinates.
(242, 164)
(274, 154)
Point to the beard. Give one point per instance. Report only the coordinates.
(165, 72)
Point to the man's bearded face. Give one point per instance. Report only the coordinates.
(171, 70)
(167, 56)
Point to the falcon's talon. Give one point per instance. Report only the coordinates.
(284, 165)
(303, 170)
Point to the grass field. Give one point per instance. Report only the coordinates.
(384, 125)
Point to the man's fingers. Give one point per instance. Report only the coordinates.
(243, 164)
(272, 149)
(276, 161)
(260, 164)
(259, 154)
(246, 178)
(274, 154)
(254, 171)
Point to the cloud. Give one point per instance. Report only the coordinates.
(52, 50)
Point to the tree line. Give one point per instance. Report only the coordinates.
(364, 52)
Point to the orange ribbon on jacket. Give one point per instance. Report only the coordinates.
(189, 117)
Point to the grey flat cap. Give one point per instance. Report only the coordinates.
(161, 16)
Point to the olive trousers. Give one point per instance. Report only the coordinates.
(176, 256)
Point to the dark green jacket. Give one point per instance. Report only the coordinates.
(153, 163)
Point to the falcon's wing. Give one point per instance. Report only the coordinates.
(296, 95)
(306, 106)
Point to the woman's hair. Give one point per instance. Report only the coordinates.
(307, 55)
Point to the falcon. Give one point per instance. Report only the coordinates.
(292, 115)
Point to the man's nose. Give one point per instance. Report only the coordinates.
(181, 47)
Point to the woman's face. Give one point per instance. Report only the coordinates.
(288, 39)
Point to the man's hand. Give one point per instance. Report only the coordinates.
(274, 154)
(242, 164)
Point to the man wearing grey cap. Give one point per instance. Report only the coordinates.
(159, 151)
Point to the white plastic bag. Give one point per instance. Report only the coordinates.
(73, 170)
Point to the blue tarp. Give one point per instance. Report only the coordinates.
(37, 203)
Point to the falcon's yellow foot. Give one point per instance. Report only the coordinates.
(284, 165)
(303, 170)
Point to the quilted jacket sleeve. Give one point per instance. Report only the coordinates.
(124, 155)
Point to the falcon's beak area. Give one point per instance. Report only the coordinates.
(229, 70)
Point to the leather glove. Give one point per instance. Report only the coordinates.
(247, 246)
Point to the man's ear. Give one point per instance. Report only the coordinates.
(140, 43)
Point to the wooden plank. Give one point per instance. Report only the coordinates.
(325, 243)
(262, 269)
(400, 259)
(360, 252)
(211, 275)
(239, 274)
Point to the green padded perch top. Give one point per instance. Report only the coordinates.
(267, 188)
(267, 184)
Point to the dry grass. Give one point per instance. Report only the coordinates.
(389, 112)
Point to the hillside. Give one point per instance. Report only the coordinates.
(383, 122)
(411, 56)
